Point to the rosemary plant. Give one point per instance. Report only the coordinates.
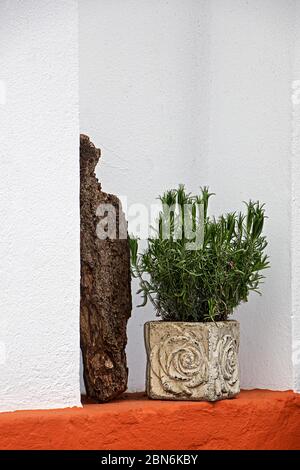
(207, 283)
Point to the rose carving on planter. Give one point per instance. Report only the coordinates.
(227, 354)
(192, 361)
(180, 362)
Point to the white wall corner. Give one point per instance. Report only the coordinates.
(39, 205)
(295, 209)
(295, 236)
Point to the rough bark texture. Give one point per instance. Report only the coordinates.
(105, 305)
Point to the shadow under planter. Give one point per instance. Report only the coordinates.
(192, 361)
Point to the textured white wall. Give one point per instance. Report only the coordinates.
(199, 92)
(249, 156)
(142, 90)
(39, 208)
(295, 252)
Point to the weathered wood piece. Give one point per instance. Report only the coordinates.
(105, 305)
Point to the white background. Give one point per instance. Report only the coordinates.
(199, 92)
(191, 91)
(295, 167)
(39, 205)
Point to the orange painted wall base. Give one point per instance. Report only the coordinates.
(257, 419)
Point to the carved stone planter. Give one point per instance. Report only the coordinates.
(192, 361)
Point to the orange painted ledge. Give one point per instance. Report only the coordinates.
(256, 419)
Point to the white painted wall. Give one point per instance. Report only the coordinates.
(249, 156)
(199, 92)
(39, 205)
(194, 91)
(295, 251)
(142, 90)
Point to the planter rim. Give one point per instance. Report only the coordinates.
(193, 322)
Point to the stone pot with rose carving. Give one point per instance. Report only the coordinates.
(192, 361)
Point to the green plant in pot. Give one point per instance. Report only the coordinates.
(195, 271)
